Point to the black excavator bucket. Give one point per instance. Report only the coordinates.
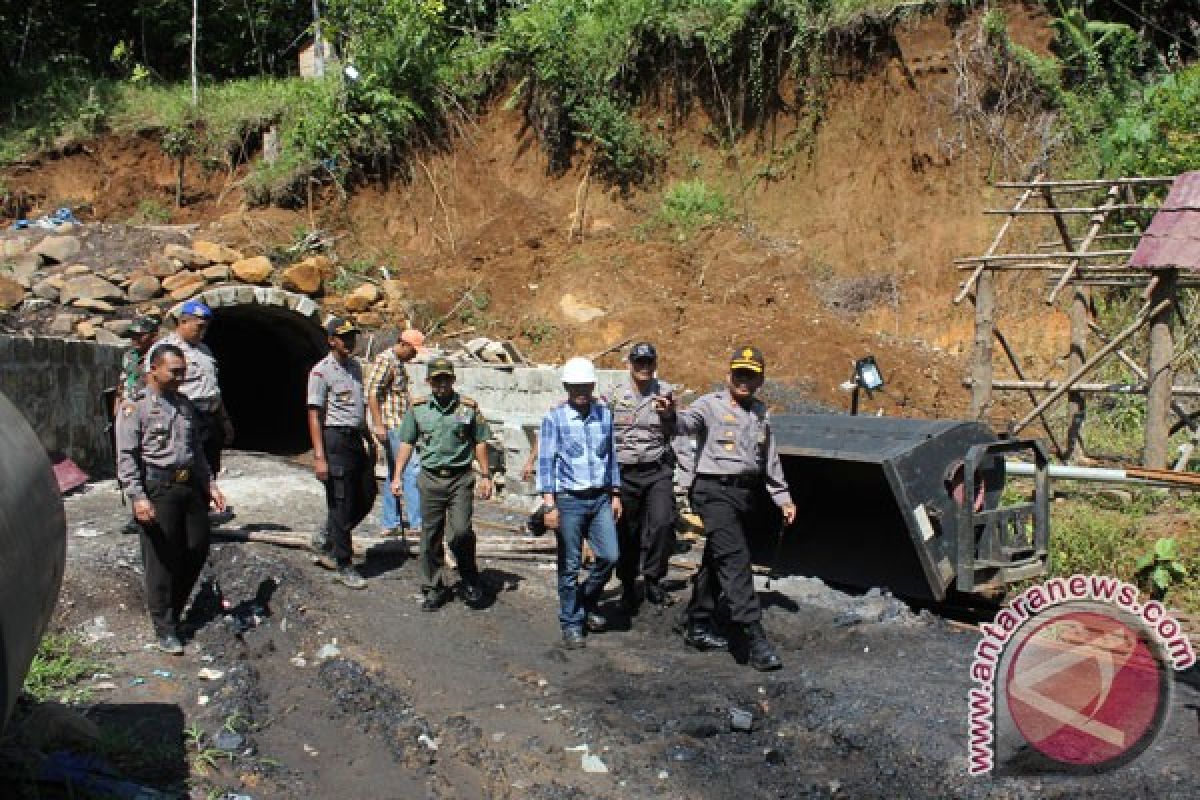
(914, 506)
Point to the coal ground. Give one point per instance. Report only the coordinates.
(463, 704)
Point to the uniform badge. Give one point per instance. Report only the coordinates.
(729, 446)
(729, 418)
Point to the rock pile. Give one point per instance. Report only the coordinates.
(91, 280)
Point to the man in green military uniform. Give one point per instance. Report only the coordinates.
(447, 429)
(143, 332)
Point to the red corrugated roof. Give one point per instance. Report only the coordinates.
(1173, 238)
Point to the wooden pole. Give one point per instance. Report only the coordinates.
(981, 359)
(1099, 183)
(1148, 311)
(1160, 373)
(1091, 388)
(1016, 366)
(195, 31)
(1137, 370)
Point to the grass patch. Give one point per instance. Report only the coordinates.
(1094, 534)
(690, 205)
(60, 664)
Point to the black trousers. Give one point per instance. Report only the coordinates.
(174, 549)
(346, 497)
(212, 439)
(646, 529)
(730, 515)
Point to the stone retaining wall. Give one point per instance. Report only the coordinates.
(58, 384)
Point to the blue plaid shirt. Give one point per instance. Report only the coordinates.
(577, 452)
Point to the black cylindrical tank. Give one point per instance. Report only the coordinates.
(33, 549)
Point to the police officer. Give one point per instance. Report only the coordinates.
(162, 470)
(336, 427)
(736, 461)
(201, 385)
(643, 430)
(143, 332)
(447, 429)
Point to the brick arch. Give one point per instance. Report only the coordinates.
(265, 341)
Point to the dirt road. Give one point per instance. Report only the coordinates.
(464, 704)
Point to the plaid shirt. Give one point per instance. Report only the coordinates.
(389, 385)
(577, 452)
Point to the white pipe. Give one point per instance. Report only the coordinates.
(1066, 472)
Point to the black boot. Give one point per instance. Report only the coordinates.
(701, 637)
(760, 654)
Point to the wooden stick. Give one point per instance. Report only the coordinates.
(1100, 183)
(1015, 364)
(1136, 368)
(1165, 475)
(1078, 210)
(1141, 319)
(1091, 388)
(1052, 266)
(1082, 253)
(969, 284)
(438, 195)
(611, 348)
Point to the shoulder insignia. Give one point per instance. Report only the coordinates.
(420, 401)
(468, 402)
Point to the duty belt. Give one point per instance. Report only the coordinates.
(643, 465)
(177, 475)
(745, 481)
(446, 472)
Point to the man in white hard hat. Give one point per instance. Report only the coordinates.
(580, 484)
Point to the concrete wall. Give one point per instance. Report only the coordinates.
(58, 384)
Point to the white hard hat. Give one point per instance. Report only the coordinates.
(578, 370)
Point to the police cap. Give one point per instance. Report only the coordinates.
(195, 308)
(747, 357)
(340, 327)
(439, 366)
(643, 350)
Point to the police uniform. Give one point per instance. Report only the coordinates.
(646, 529)
(201, 387)
(160, 458)
(445, 435)
(336, 389)
(736, 464)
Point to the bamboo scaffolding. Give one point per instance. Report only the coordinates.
(1016, 365)
(1141, 319)
(969, 284)
(1097, 222)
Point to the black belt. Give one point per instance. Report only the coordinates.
(177, 475)
(344, 430)
(587, 494)
(641, 466)
(446, 472)
(739, 481)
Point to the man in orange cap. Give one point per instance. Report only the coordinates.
(388, 397)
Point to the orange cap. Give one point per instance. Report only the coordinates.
(413, 336)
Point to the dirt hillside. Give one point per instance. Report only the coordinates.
(842, 249)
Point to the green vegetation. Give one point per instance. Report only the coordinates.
(689, 205)
(1092, 534)
(60, 664)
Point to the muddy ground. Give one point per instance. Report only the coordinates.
(465, 704)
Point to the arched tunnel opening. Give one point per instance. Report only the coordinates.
(263, 355)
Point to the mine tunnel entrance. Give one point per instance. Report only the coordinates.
(264, 354)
